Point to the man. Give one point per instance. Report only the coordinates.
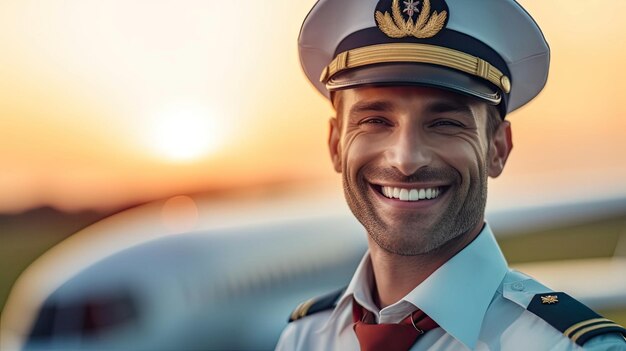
(420, 90)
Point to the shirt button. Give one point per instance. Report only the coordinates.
(519, 286)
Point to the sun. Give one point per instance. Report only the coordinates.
(185, 132)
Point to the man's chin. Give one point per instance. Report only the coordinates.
(407, 248)
(416, 237)
(416, 242)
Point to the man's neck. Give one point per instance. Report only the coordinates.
(395, 275)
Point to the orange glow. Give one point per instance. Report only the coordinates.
(184, 132)
(87, 84)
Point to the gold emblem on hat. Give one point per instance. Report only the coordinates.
(427, 24)
(549, 299)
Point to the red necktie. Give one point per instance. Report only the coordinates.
(389, 337)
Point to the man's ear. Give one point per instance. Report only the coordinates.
(333, 143)
(500, 148)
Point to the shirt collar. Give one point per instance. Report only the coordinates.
(360, 288)
(459, 292)
(456, 295)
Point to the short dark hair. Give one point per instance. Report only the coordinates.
(494, 119)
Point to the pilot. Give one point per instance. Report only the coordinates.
(421, 89)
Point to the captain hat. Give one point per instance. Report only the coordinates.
(489, 49)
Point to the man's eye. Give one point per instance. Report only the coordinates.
(447, 123)
(374, 120)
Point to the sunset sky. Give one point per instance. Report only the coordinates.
(107, 103)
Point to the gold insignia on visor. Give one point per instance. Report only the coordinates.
(427, 24)
(549, 299)
(416, 53)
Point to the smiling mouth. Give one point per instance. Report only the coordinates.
(410, 194)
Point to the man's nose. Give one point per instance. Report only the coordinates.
(408, 152)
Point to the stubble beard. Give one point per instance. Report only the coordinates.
(412, 236)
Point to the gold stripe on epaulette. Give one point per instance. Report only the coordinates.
(302, 309)
(295, 313)
(573, 328)
(583, 331)
(416, 53)
(305, 308)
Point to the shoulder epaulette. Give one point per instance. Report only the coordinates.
(316, 304)
(577, 321)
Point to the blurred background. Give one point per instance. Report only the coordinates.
(105, 106)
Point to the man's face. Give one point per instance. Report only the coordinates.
(415, 163)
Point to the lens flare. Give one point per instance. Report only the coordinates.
(179, 214)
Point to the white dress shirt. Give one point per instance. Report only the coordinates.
(478, 302)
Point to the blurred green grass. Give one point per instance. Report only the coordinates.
(26, 236)
(598, 238)
(18, 251)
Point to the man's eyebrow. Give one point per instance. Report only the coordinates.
(368, 106)
(443, 106)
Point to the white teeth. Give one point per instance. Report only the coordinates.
(410, 194)
(404, 195)
(422, 194)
